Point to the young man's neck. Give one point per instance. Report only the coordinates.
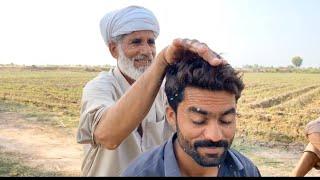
(188, 167)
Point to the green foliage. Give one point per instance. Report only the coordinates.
(297, 61)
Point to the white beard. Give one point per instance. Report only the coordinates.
(126, 65)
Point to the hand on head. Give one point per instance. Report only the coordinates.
(175, 50)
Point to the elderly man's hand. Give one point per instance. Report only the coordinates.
(174, 51)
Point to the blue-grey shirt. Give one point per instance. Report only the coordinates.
(161, 161)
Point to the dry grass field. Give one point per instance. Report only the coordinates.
(272, 113)
(277, 106)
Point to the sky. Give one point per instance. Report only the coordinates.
(66, 32)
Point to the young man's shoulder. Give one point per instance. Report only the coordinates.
(249, 167)
(150, 163)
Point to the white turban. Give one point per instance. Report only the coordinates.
(126, 21)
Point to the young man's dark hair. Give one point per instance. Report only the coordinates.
(202, 111)
(193, 71)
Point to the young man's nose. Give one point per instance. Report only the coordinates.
(213, 132)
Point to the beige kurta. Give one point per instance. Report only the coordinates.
(313, 127)
(98, 95)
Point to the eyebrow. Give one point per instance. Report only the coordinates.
(198, 110)
(206, 113)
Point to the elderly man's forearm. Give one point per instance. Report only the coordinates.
(129, 111)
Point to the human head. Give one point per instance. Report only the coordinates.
(202, 107)
(130, 34)
(313, 133)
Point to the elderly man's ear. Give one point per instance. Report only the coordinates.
(113, 48)
(171, 117)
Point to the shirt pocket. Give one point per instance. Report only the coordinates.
(157, 133)
(154, 133)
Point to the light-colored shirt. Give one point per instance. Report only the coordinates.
(98, 95)
(161, 161)
(313, 127)
(311, 148)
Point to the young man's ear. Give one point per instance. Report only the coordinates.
(171, 117)
(113, 48)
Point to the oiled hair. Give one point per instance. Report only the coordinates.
(193, 71)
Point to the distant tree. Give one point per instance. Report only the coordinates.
(297, 61)
(290, 67)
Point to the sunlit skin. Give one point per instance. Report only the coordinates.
(308, 159)
(135, 44)
(203, 115)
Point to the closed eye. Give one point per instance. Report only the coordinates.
(199, 122)
(227, 120)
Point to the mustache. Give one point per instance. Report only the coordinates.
(143, 57)
(209, 143)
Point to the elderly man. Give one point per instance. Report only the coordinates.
(311, 155)
(122, 111)
(202, 110)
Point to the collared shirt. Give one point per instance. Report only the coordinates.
(161, 161)
(98, 95)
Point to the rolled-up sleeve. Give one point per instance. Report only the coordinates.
(95, 101)
(312, 149)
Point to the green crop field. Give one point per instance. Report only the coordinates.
(273, 106)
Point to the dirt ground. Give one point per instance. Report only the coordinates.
(40, 146)
(55, 149)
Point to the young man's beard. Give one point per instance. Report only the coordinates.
(202, 160)
(126, 65)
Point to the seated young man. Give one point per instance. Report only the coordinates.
(202, 110)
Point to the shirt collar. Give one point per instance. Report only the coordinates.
(233, 160)
(121, 79)
(171, 167)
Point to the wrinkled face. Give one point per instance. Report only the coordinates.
(136, 52)
(206, 124)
